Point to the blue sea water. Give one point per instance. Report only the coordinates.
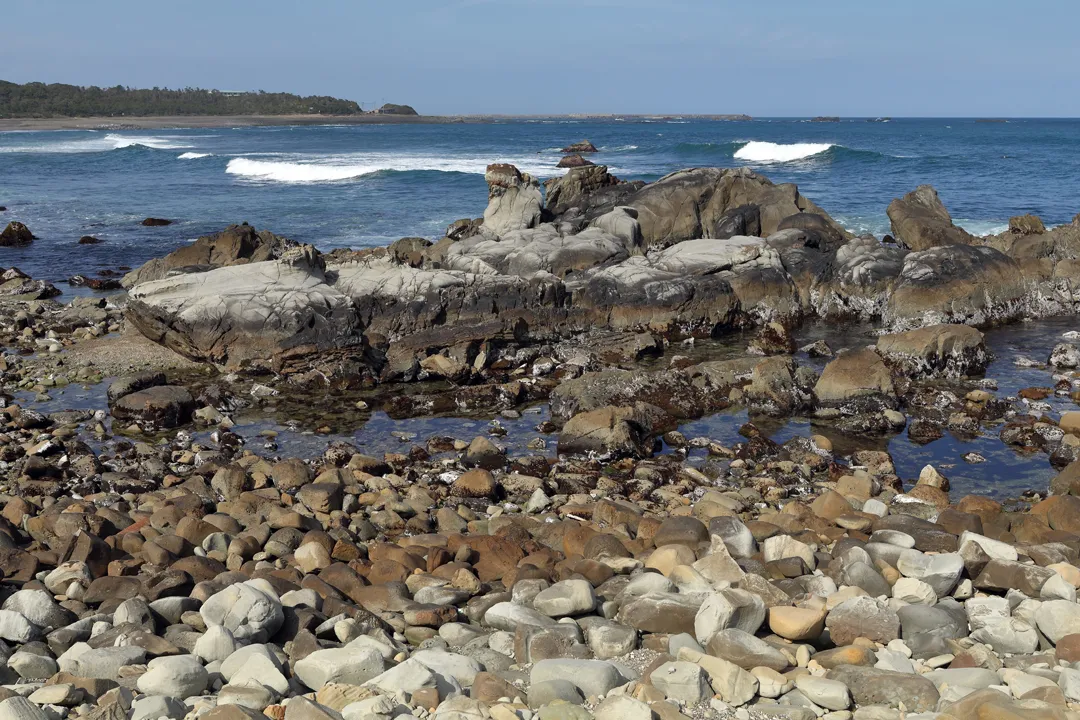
(355, 186)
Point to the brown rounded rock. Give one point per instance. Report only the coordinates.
(666, 558)
(1068, 648)
(476, 483)
(796, 623)
(688, 531)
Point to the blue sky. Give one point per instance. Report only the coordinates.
(765, 58)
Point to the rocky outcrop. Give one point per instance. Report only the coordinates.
(514, 200)
(586, 191)
(956, 284)
(659, 261)
(920, 221)
(583, 146)
(691, 204)
(1026, 225)
(16, 235)
(257, 311)
(573, 161)
(236, 244)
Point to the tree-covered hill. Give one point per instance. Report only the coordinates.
(33, 100)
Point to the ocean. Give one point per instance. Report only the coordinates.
(357, 186)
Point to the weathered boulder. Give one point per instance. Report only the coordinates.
(163, 406)
(572, 161)
(920, 221)
(15, 235)
(608, 432)
(951, 350)
(542, 249)
(1026, 225)
(856, 381)
(233, 314)
(236, 244)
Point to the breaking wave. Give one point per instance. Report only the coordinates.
(350, 167)
(768, 152)
(192, 156)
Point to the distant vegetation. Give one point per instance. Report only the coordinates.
(38, 100)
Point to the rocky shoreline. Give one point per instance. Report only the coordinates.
(157, 564)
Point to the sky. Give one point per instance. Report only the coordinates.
(769, 58)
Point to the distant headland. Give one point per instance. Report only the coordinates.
(120, 105)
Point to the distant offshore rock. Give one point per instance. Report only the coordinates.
(156, 222)
(573, 161)
(825, 118)
(580, 147)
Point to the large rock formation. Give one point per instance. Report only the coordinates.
(615, 256)
(689, 204)
(920, 221)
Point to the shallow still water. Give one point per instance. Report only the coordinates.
(1005, 474)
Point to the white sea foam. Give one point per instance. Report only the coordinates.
(192, 156)
(307, 169)
(768, 152)
(979, 228)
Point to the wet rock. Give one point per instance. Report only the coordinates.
(956, 284)
(950, 350)
(607, 431)
(163, 406)
(1064, 355)
(156, 222)
(572, 161)
(16, 235)
(583, 146)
